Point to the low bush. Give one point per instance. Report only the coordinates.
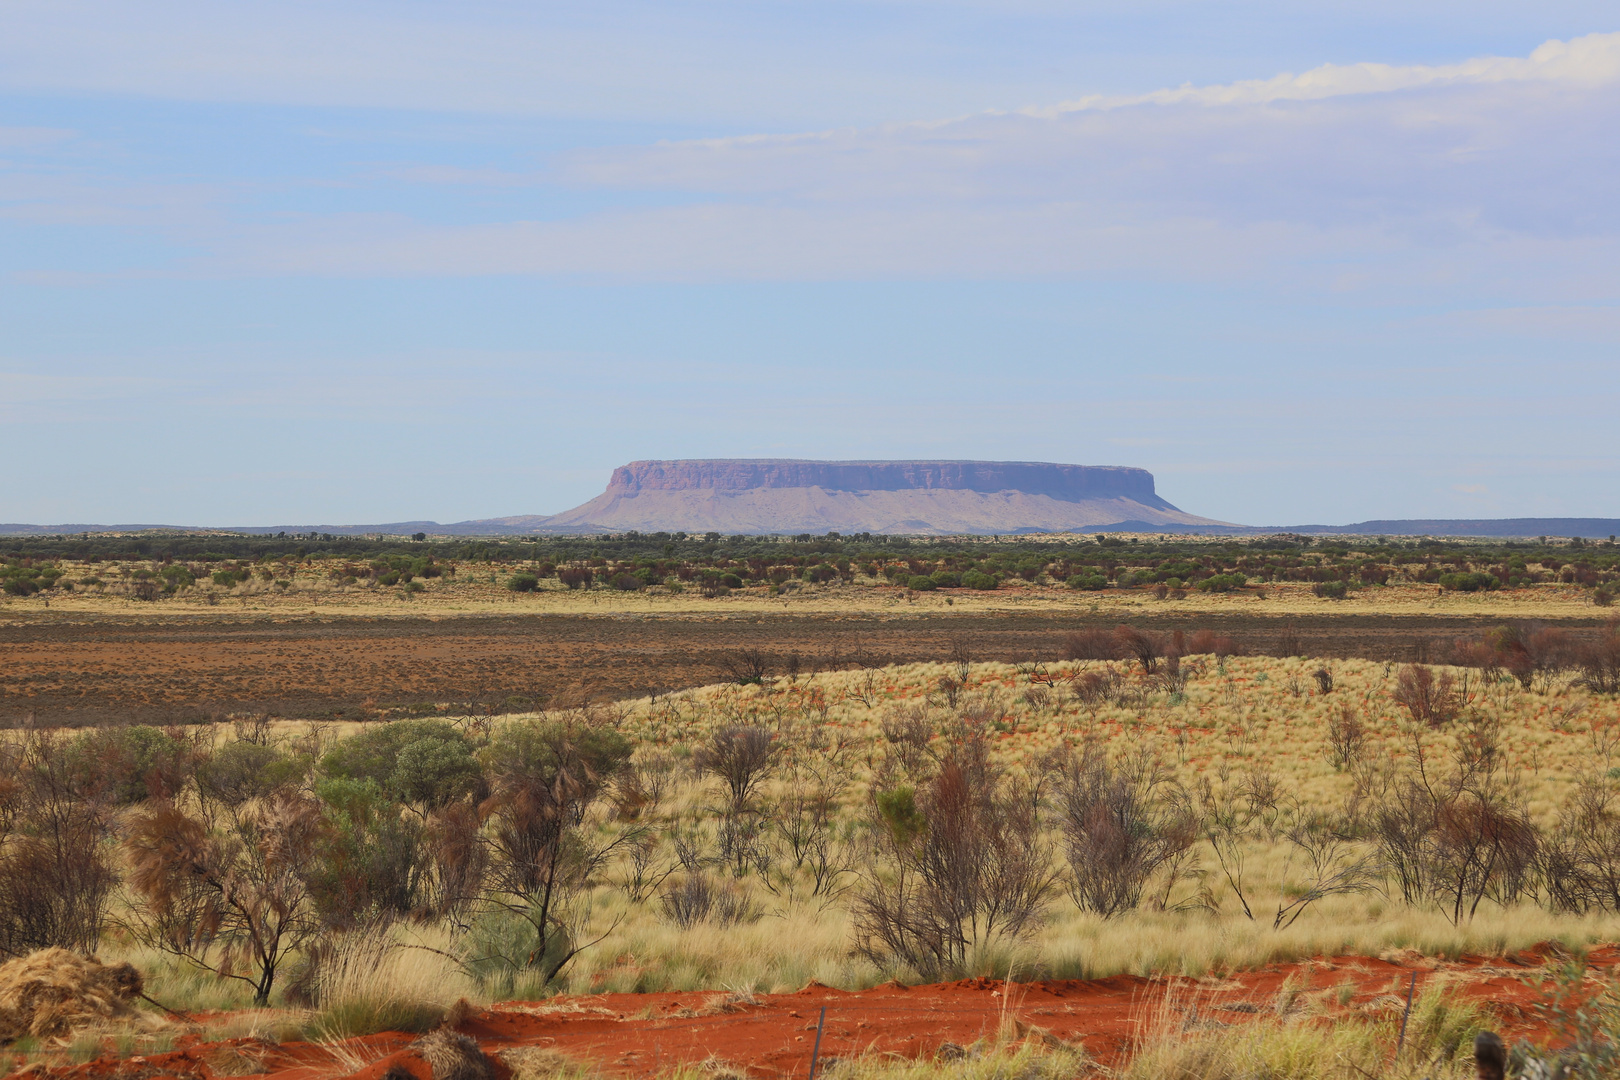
(1470, 581)
(626, 582)
(576, 577)
(975, 579)
(523, 583)
(1330, 590)
(947, 579)
(1087, 582)
(922, 583)
(1222, 583)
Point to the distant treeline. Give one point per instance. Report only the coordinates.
(1333, 565)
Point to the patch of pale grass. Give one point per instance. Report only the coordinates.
(399, 979)
(1180, 1040)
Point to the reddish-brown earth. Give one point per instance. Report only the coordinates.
(79, 669)
(645, 1035)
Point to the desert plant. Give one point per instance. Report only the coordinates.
(1145, 648)
(544, 775)
(523, 583)
(232, 900)
(1427, 698)
(1092, 643)
(1121, 822)
(55, 879)
(968, 868)
(741, 758)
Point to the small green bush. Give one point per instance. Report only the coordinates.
(731, 581)
(1088, 582)
(922, 583)
(1473, 581)
(20, 586)
(626, 582)
(1225, 583)
(523, 583)
(1331, 590)
(947, 579)
(390, 578)
(976, 579)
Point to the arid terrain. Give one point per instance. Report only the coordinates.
(144, 663)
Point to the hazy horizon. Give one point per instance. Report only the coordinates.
(365, 263)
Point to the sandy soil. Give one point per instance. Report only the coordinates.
(773, 1035)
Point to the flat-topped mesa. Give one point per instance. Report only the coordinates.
(936, 497)
(1070, 483)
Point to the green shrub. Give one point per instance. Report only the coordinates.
(20, 586)
(1224, 583)
(178, 577)
(1331, 590)
(523, 583)
(731, 581)
(240, 771)
(1088, 582)
(975, 579)
(921, 583)
(947, 579)
(412, 761)
(1473, 581)
(228, 578)
(390, 578)
(626, 582)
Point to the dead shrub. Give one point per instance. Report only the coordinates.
(741, 757)
(55, 880)
(1429, 699)
(1347, 736)
(1600, 661)
(234, 901)
(968, 867)
(698, 898)
(1121, 822)
(1143, 647)
(1324, 681)
(1456, 839)
(1580, 863)
(1092, 643)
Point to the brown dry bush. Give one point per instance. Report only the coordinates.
(1139, 645)
(1121, 822)
(1347, 737)
(234, 900)
(1429, 699)
(544, 776)
(55, 879)
(1600, 661)
(1456, 839)
(1093, 643)
(968, 865)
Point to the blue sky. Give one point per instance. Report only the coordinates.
(366, 262)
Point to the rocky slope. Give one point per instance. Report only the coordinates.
(783, 496)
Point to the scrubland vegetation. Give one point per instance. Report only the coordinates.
(1151, 804)
(162, 567)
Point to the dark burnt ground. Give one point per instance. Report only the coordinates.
(74, 670)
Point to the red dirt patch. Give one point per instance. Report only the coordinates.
(773, 1034)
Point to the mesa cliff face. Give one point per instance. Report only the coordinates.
(786, 496)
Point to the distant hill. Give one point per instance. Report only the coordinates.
(749, 496)
(915, 497)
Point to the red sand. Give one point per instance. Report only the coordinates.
(636, 1035)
